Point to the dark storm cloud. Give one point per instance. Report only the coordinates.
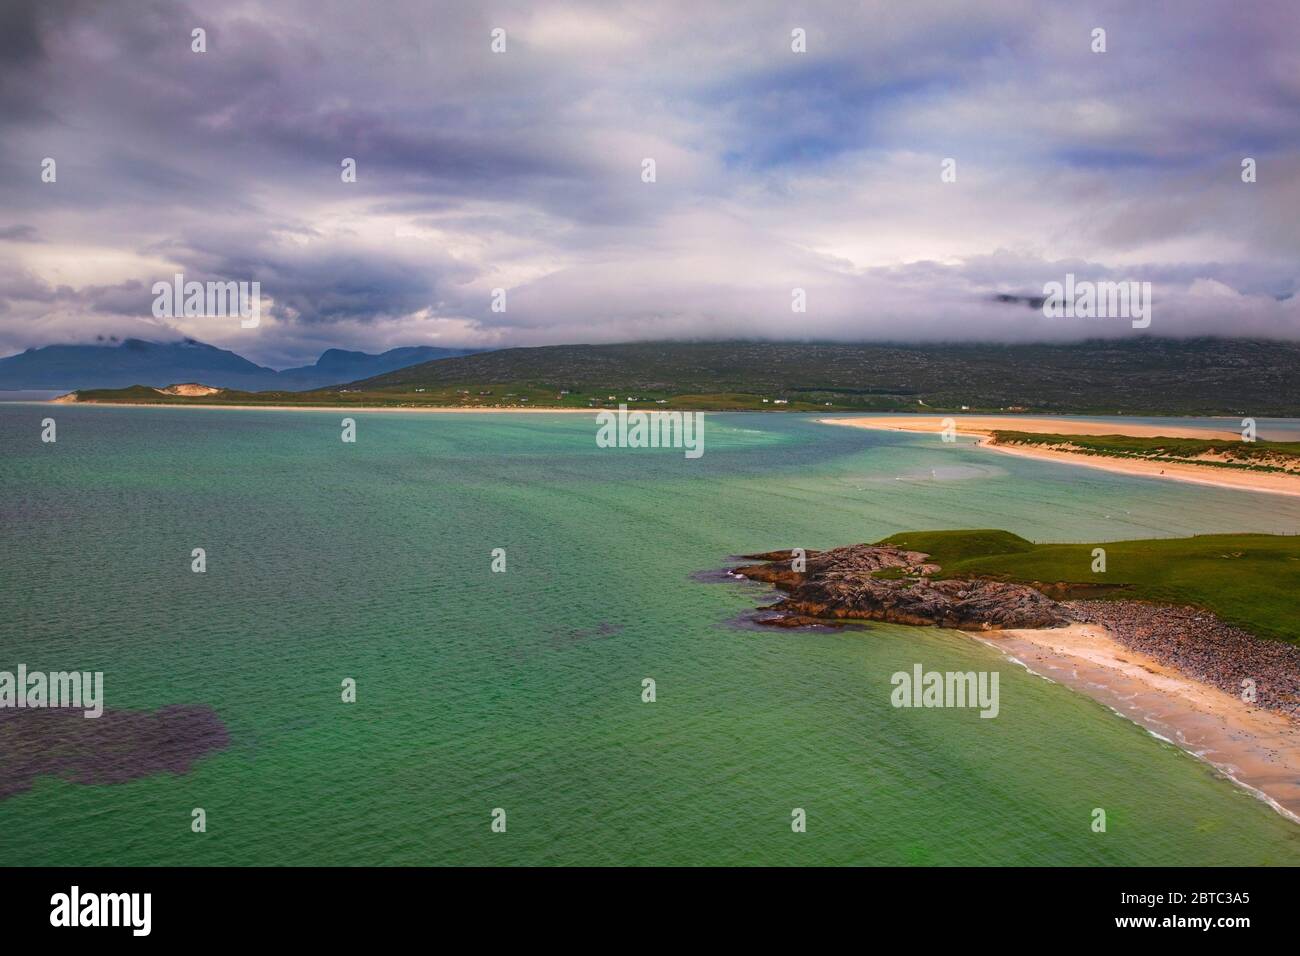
(19, 233)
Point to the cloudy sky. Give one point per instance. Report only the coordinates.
(522, 170)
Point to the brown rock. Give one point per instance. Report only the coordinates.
(843, 583)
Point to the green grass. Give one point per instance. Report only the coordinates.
(1250, 580)
(1256, 455)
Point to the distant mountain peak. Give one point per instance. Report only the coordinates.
(118, 363)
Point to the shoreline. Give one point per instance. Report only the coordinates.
(1257, 749)
(982, 427)
(1176, 671)
(323, 408)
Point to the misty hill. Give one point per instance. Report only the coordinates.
(137, 362)
(337, 365)
(1139, 375)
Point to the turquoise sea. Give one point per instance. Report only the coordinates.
(522, 690)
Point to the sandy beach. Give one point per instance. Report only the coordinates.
(982, 427)
(1256, 748)
(985, 425)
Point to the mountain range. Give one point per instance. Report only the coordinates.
(139, 362)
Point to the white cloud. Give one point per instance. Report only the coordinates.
(523, 170)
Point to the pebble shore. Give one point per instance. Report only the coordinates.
(1203, 647)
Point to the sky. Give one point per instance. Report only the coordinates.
(524, 170)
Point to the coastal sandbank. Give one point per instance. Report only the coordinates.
(987, 424)
(983, 427)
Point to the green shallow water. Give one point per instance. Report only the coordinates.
(522, 690)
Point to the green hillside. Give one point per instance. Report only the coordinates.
(1250, 580)
(1145, 376)
(1136, 376)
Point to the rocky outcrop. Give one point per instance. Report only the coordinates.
(846, 583)
(865, 558)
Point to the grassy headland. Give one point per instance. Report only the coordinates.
(1248, 580)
